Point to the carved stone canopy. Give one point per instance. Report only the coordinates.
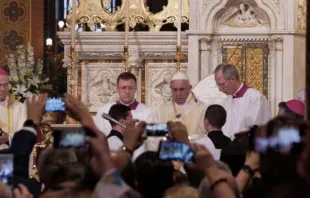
(92, 14)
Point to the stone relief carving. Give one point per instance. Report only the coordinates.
(302, 15)
(99, 83)
(244, 16)
(158, 76)
(276, 3)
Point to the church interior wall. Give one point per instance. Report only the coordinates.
(299, 63)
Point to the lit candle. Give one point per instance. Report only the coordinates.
(127, 23)
(49, 42)
(179, 22)
(73, 24)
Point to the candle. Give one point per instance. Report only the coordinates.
(49, 42)
(127, 23)
(179, 22)
(73, 24)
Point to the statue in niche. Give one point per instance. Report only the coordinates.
(101, 89)
(163, 88)
(244, 16)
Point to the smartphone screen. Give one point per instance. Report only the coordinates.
(55, 104)
(157, 129)
(285, 138)
(70, 138)
(6, 168)
(176, 151)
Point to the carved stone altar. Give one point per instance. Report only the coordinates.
(265, 39)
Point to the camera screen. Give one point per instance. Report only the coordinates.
(285, 138)
(70, 137)
(158, 129)
(6, 168)
(176, 151)
(55, 104)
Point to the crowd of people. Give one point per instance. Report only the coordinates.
(232, 150)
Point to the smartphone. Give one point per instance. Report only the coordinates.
(285, 139)
(6, 168)
(55, 104)
(70, 137)
(176, 151)
(157, 129)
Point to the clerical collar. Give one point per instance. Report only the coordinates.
(133, 105)
(241, 91)
(4, 102)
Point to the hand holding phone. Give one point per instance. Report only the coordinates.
(6, 168)
(176, 151)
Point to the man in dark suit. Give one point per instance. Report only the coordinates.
(215, 118)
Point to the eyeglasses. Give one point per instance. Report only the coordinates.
(124, 88)
(222, 84)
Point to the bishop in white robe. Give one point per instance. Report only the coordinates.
(184, 106)
(245, 106)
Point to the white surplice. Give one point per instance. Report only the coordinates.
(18, 115)
(142, 113)
(249, 108)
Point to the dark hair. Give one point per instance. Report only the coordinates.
(154, 176)
(126, 76)
(118, 112)
(290, 113)
(216, 115)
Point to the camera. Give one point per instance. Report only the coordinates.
(176, 151)
(6, 168)
(71, 137)
(55, 104)
(157, 129)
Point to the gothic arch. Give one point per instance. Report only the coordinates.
(216, 8)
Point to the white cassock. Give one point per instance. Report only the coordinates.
(207, 142)
(191, 114)
(247, 107)
(140, 112)
(12, 118)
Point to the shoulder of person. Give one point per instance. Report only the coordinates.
(255, 94)
(106, 107)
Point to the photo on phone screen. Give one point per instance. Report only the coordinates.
(70, 138)
(157, 129)
(176, 151)
(55, 104)
(285, 138)
(6, 168)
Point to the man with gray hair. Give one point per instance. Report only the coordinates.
(245, 106)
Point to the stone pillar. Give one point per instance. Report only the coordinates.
(278, 71)
(193, 70)
(205, 53)
(135, 62)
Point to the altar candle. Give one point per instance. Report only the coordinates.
(179, 22)
(73, 24)
(127, 23)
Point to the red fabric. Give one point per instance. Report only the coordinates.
(39, 135)
(241, 92)
(3, 72)
(296, 106)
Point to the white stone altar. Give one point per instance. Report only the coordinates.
(264, 38)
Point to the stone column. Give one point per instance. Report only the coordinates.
(135, 62)
(278, 71)
(205, 53)
(193, 70)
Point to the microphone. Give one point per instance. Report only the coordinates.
(108, 117)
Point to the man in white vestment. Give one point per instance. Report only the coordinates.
(13, 114)
(126, 87)
(183, 107)
(245, 106)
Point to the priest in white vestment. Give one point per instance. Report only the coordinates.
(183, 107)
(13, 114)
(126, 87)
(245, 106)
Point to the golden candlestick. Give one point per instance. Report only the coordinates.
(179, 57)
(126, 57)
(73, 73)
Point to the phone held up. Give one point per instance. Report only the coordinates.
(157, 129)
(6, 168)
(55, 104)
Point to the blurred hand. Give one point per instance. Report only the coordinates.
(178, 132)
(252, 159)
(133, 135)
(100, 154)
(203, 157)
(78, 110)
(36, 107)
(120, 159)
(21, 192)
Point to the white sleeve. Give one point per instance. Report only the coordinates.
(114, 143)
(259, 110)
(102, 124)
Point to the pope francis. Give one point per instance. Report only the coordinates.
(184, 106)
(13, 114)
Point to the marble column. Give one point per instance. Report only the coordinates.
(193, 59)
(278, 71)
(205, 56)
